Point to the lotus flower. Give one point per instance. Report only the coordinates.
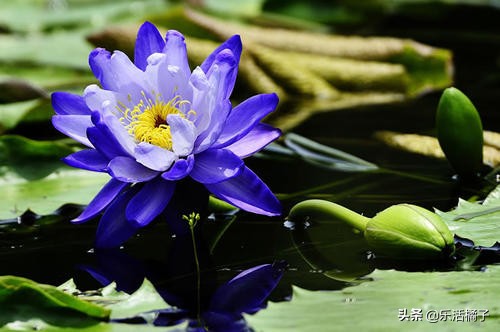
(154, 122)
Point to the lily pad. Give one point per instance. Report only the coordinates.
(33, 177)
(464, 301)
(479, 222)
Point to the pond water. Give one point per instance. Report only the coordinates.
(51, 250)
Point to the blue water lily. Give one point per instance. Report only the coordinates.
(153, 122)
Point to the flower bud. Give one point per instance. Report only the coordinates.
(410, 232)
(460, 132)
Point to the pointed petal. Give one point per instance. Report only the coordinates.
(183, 134)
(180, 169)
(74, 126)
(101, 100)
(154, 157)
(258, 138)
(89, 159)
(207, 138)
(114, 229)
(149, 41)
(149, 202)
(222, 74)
(175, 49)
(216, 165)
(247, 192)
(128, 170)
(248, 291)
(65, 103)
(109, 136)
(107, 194)
(117, 73)
(245, 116)
(233, 44)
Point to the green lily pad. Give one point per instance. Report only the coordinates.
(379, 304)
(33, 177)
(479, 222)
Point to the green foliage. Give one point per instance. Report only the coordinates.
(22, 299)
(479, 222)
(374, 305)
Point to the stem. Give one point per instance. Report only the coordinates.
(198, 274)
(325, 210)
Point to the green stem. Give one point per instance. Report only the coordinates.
(325, 210)
(198, 274)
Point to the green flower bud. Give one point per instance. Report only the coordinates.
(460, 132)
(410, 232)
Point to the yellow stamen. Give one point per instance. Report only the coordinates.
(149, 124)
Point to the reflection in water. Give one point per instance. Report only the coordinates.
(202, 300)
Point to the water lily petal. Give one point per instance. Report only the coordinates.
(106, 101)
(175, 49)
(154, 157)
(207, 138)
(222, 74)
(113, 228)
(245, 116)
(183, 134)
(248, 192)
(65, 103)
(116, 72)
(128, 170)
(149, 41)
(150, 201)
(235, 46)
(215, 165)
(180, 169)
(258, 138)
(89, 159)
(109, 136)
(105, 196)
(74, 126)
(248, 291)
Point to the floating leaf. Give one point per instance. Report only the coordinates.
(479, 222)
(379, 302)
(33, 177)
(25, 299)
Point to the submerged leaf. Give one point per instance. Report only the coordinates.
(429, 146)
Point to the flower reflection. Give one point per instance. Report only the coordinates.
(216, 306)
(154, 123)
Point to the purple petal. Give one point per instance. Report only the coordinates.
(171, 80)
(128, 170)
(247, 192)
(65, 103)
(149, 41)
(74, 126)
(117, 73)
(150, 201)
(114, 229)
(207, 138)
(154, 157)
(88, 159)
(258, 138)
(108, 137)
(245, 116)
(175, 49)
(98, 99)
(183, 134)
(107, 194)
(222, 74)
(233, 44)
(248, 291)
(216, 165)
(180, 169)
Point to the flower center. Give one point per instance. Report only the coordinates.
(150, 124)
